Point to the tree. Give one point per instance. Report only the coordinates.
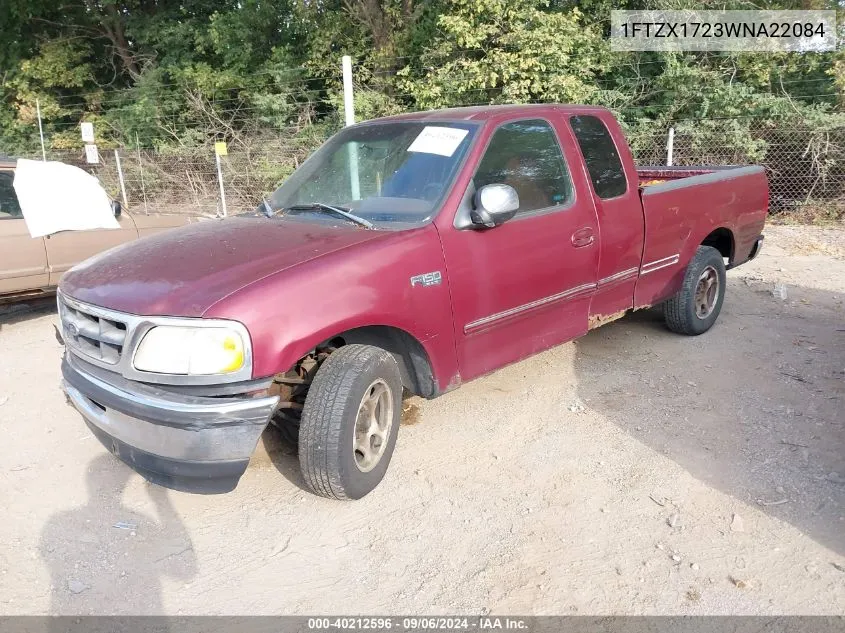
(495, 51)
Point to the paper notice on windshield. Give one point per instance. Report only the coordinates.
(438, 140)
(58, 197)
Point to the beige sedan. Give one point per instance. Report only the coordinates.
(33, 266)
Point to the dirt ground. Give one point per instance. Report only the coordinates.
(631, 472)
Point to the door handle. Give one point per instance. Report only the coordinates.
(583, 237)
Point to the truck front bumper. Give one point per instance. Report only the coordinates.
(185, 442)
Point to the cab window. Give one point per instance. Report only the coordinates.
(600, 154)
(527, 156)
(9, 207)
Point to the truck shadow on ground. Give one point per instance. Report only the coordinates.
(754, 408)
(281, 454)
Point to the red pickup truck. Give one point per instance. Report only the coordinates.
(406, 256)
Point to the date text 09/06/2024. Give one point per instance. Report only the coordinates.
(417, 623)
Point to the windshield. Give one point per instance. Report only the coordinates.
(389, 174)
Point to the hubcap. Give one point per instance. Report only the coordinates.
(372, 426)
(706, 292)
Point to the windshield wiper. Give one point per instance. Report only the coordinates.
(319, 206)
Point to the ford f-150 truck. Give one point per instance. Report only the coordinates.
(407, 255)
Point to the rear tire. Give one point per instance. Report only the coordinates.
(350, 422)
(696, 306)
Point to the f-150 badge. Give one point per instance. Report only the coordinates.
(427, 279)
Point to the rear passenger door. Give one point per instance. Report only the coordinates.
(23, 265)
(615, 188)
(525, 285)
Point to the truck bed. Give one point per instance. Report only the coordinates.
(657, 174)
(687, 206)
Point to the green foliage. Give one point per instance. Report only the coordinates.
(57, 70)
(178, 75)
(495, 51)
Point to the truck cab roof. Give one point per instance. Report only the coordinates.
(485, 113)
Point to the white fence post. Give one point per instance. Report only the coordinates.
(141, 168)
(120, 177)
(40, 130)
(348, 101)
(349, 111)
(220, 180)
(670, 146)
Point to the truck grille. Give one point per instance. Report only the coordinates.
(91, 334)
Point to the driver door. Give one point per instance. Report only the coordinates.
(525, 285)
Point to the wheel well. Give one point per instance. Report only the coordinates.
(414, 364)
(723, 241)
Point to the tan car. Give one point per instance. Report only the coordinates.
(33, 266)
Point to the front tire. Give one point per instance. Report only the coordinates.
(696, 306)
(350, 422)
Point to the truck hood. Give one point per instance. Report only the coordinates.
(184, 271)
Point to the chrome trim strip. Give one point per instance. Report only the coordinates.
(224, 407)
(657, 264)
(138, 326)
(621, 275)
(566, 294)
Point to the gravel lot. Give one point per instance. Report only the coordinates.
(631, 472)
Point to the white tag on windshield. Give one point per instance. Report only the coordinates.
(438, 140)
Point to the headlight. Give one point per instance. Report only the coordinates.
(169, 349)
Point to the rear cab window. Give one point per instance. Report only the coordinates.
(526, 155)
(600, 155)
(9, 206)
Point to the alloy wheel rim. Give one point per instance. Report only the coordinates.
(372, 426)
(706, 292)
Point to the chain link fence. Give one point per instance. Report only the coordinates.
(805, 165)
(186, 181)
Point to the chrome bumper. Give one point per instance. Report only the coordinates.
(186, 442)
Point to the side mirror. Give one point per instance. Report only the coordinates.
(494, 205)
(116, 208)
